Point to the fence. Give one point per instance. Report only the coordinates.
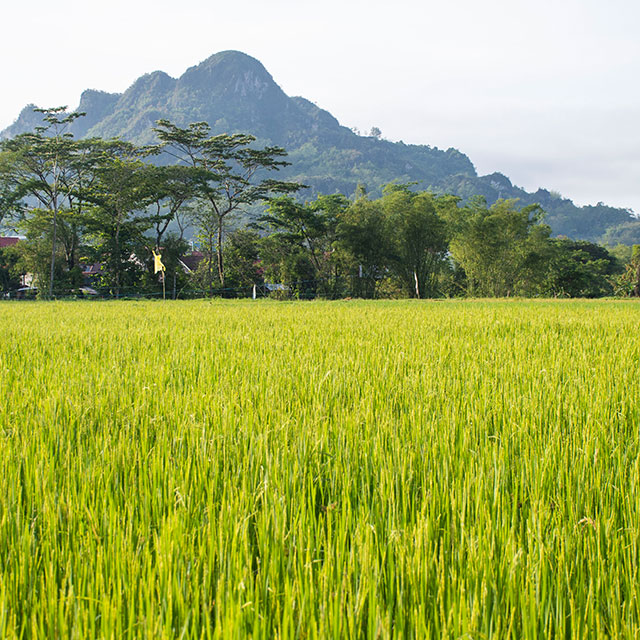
(298, 290)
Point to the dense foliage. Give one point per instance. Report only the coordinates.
(106, 203)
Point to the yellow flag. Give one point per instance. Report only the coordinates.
(157, 263)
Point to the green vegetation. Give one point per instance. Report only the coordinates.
(350, 469)
(104, 199)
(104, 202)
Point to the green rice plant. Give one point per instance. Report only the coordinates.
(401, 469)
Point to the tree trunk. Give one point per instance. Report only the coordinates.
(219, 252)
(71, 259)
(117, 260)
(209, 267)
(53, 245)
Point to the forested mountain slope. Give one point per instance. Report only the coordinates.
(234, 93)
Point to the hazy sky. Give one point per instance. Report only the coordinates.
(546, 92)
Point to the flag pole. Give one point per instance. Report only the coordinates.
(159, 267)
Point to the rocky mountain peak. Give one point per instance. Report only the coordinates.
(231, 73)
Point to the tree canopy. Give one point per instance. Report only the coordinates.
(103, 206)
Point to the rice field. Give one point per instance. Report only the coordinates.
(221, 469)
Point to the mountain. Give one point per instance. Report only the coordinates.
(233, 92)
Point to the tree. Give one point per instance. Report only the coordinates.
(10, 203)
(363, 245)
(578, 269)
(35, 249)
(171, 188)
(9, 269)
(629, 281)
(308, 231)
(79, 183)
(123, 189)
(232, 173)
(501, 248)
(39, 166)
(242, 259)
(418, 237)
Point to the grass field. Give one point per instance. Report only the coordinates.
(320, 470)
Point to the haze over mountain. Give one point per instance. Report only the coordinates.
(233, 92)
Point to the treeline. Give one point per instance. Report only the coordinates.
(112, 203)
(417, 244)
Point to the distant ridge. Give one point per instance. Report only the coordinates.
(233, 92)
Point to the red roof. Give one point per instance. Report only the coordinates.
(8, 242)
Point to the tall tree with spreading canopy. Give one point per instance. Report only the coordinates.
(41, 167)
(234, 172)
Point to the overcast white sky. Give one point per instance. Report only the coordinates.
(546, 92)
